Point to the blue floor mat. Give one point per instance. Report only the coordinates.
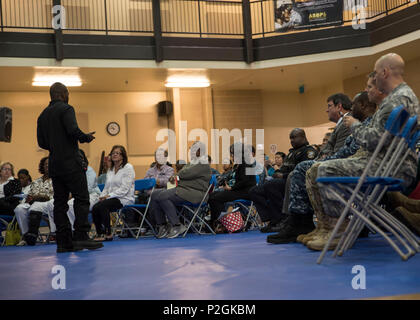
(239, 266)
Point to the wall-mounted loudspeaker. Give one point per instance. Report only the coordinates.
(5, 124)
(165, 108)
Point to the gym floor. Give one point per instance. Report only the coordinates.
(238, 266)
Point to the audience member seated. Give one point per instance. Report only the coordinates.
(118, 192)
(226, 177)
(278, 162)
(106, 165)
(94, 194)
(9, 187)
(160, 170)
(268, 197)
(192, 183)
(241, 156)
(29, 213)
(25, 181)
(338, 106)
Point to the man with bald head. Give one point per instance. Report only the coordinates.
(389, 70)
(268, 197)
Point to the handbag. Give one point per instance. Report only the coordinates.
(232, 221)
(12, 237)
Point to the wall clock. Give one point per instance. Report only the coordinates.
(113, 128)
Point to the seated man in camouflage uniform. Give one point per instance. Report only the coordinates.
(389, 70)
(300, 223)
(268, 197)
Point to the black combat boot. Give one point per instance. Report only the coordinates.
(294, 225)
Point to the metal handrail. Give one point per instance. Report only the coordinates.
(203, 18)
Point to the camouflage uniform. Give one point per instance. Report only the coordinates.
(368, 138)
(299, 202)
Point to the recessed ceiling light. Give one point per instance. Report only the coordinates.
(187, 82)
(46, 76)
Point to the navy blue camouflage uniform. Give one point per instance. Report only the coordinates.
(299, 202)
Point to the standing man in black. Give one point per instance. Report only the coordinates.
(58, 132)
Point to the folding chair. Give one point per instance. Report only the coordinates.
(139, 185)
(196, 211)
(249, 208)
(361, 195)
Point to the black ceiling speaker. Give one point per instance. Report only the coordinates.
(5, 124)
(165, 108)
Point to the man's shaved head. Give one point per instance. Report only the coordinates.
(389, 71)
(392, 61)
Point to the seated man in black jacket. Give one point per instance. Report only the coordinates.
(268, 198)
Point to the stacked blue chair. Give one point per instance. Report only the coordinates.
(361, 195)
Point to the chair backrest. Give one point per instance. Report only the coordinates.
(144, 184)
(101, 186)
(213, 180)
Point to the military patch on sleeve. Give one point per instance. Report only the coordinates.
(311, 154)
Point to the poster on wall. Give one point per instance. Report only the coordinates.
(302, 14)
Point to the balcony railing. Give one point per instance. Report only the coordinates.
(187, 18)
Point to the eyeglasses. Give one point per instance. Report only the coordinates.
(6, 169)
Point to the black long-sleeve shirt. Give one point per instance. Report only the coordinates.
(243, 182)
(58, 132)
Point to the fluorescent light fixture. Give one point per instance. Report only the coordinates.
(187, 84)
(187, 78)
(48, 80)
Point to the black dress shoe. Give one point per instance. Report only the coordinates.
(63, 250)
(86, 244)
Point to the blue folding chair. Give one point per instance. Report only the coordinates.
(249, 208)
(361, 195)
(141, 209)
(196, 211)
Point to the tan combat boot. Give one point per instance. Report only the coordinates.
(321, 229)
(318, 243)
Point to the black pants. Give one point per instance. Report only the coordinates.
(268, 199)
(101, 214)
(7, 208)
(218, 199)
(76, 184)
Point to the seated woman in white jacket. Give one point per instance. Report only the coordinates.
(118, 192)
(94, 193)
